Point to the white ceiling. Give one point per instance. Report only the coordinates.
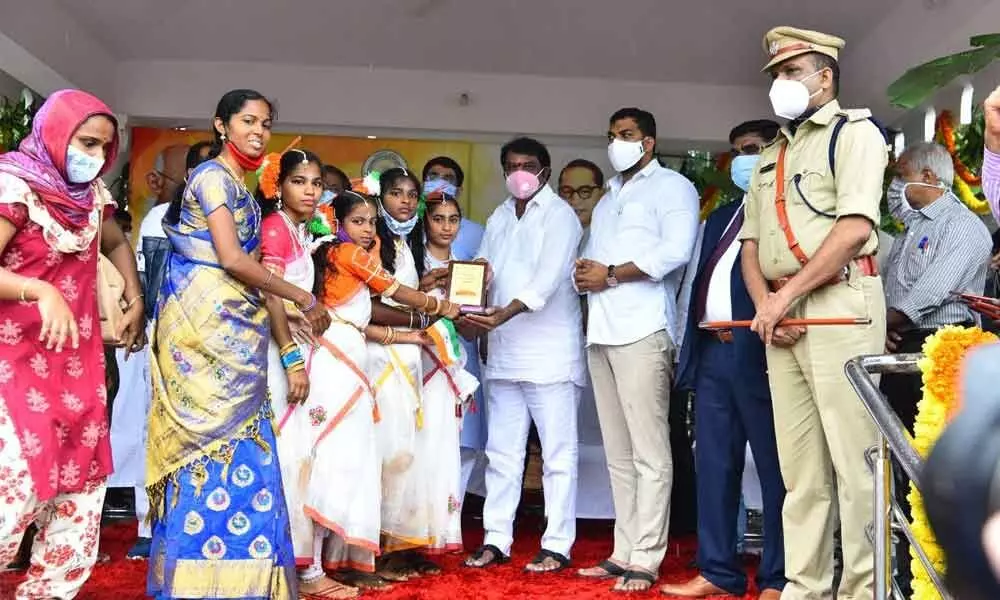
(708, 41)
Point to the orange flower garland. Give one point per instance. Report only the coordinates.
(710, 198)
(267, 176)
(966, 179)
(946, 129)
(941, 370)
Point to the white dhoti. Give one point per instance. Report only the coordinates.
(513, 406)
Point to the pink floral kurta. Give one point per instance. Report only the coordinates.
(57, 401)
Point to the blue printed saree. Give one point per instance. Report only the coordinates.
(220, 522)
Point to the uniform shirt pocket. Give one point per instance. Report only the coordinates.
(813, 189)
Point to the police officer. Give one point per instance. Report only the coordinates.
(809, 240)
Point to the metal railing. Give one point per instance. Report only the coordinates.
(894, 441)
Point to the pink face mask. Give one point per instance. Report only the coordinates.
(523, 184)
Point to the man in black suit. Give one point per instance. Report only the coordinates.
(727, 371)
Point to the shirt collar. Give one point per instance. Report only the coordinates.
(938, 207)
(648, 170)
(542, 198)
(822, 117)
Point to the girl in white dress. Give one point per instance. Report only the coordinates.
(344, 484)
(411, 497)
(450, 385)
(289, 187)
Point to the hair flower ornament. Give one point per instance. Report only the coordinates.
(323, 227)
(267, 175)
(368, 185)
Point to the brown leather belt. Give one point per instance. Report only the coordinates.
(721, 335)
(867, 265)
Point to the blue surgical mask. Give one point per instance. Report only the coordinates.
(440, 185)
(326, 198)
(400, 228)
(82, 167)
(742, 168)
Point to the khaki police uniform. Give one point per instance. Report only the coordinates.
(822, 428)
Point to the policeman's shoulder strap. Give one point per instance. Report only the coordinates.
(851, 115)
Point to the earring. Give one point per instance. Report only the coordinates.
(279, 204)
(222, 136)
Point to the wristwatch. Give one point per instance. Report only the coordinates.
(612, 281)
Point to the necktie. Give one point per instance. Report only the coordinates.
(701, 295)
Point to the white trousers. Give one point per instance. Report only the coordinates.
(142, 512)
(65, 548)
(513, 405)
(470, 460)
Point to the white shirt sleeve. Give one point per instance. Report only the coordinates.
(687, 284)
(485, 251)
(678, 217)
(560, 243)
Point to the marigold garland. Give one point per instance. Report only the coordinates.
(966, 179)
(267, 175)
(940, 368)
(710, 197)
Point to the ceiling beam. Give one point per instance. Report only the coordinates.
(47, 49)
(425, 100)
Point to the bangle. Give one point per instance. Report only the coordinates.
(132, 302)
(291, 358)
(24, 289)
(425, 321)
(296, 367)
(411, 319)
(287, 348)
(270, 275)
(312, 304)
(392, 335)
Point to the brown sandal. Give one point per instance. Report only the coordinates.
(334, 591)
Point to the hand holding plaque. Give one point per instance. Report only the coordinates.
(467, 286)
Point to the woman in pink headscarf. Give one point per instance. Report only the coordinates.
(54, 449)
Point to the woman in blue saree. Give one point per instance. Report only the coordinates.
(220, 523)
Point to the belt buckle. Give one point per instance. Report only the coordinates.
(724, 335)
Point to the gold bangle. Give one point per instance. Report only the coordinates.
(132, 302)
(385, 337)
(24, 289)
(287, 348)
(270, 275)
(437, 307)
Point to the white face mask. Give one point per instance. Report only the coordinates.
(82, 167)
(790, 97)
(623, 155)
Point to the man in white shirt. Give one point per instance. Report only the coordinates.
(641, 238)
(535, 364)
(128, 427)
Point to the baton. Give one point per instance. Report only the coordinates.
(711, 325)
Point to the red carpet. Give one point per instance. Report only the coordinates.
(125, 580)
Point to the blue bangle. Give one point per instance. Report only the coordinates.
(290, 358)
